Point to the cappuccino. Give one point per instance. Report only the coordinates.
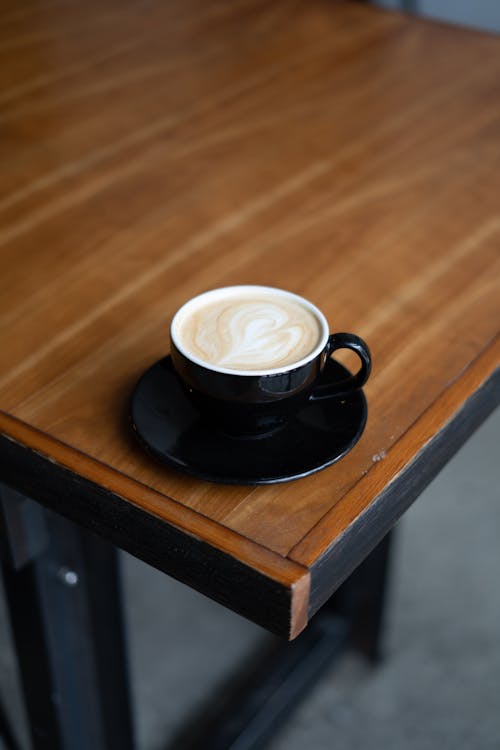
(248, 328)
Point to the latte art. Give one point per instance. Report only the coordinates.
(250, 332)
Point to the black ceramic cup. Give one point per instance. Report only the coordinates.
(256, 402)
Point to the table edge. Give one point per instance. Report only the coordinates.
(434, 448)
(252, 580)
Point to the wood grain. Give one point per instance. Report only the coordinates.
(152, 151)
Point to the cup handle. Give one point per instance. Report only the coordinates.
(353, 382)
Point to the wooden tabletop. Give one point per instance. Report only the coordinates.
(150, 151)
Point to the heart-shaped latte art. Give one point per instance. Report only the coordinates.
(257, 334)
(252, 334)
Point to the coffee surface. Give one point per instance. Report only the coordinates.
(250, 332)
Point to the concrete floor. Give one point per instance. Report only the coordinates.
(439, 686)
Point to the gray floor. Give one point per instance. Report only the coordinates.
(439, 687)
(480, 14)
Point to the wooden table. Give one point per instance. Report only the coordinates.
(150, 151)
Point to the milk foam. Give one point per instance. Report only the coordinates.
(250, 331)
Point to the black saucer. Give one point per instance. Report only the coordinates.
(170, 428)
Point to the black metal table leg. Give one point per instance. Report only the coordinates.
(63, 595)
(361, 600)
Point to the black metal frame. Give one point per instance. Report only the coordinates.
(63, 593)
